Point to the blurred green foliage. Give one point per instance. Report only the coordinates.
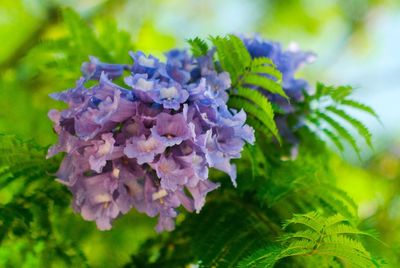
(42, 50)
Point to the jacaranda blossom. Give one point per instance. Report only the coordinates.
(149, 144)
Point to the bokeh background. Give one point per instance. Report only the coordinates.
(357, 43)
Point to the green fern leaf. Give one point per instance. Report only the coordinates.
(266, 69)
(360, 106)
(83, 36)
(233, 55)
(334, 138)
(22, 160)
(340, 130)
(264, 83)
(257, 112)
(341, 92)
(240, 50)
(250, 75)
(327, 238)
(198, 46)
(265, 112)
(361, 128)
(262, 258)
(331, 99)
(310, 220)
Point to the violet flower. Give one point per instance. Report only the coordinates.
(150, 146)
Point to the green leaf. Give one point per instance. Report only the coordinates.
(266, 69)
(27, 214)
(359, 106)
(83, 36)
(334, 138)
(262, 258)
(332, 99)
(233, 55)
(340, 130)
(259, 107)
(361, 128)
(22, 160)
(325, 237)
(198, 46)
(223, 233)
(341, 92)
(250, 75)
(264, 83)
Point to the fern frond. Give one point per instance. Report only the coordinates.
(340, 130)
(233, 55)
(260, 62)
(266, 67)
(262, 123)
(83, 36)
(262, 258)
(311, 220)
(334, 138)
(336, 93)
(245, 71)
(333, 99)
(264, 83)
(240, 50)
(327, 237)
(22, 160)
(332, 202)
(359, 106)
(357, 124)
(340, 93)
(258, 106)
(198, 46)
(251, 75)
(306, 234)
(347, 249)
(26, 216)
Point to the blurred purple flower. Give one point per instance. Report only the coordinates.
(94, 69)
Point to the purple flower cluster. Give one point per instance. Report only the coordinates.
(148, 145)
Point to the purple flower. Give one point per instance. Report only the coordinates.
(196, 90)
(131, 177)
(200, 191)
(237, 120)
(101, 151)
(170, 95)
(144, 64)
(141, 85)
(171, 129)
(149, 147)
(178, 67)
(94, 69)
(94, 111)
(221, 162)
(94, 199)
(143, 149)
(171, 173)
(72, 168)
(217, 84)
(190, 155)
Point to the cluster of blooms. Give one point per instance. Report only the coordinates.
(150, 145)
(287, 62)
